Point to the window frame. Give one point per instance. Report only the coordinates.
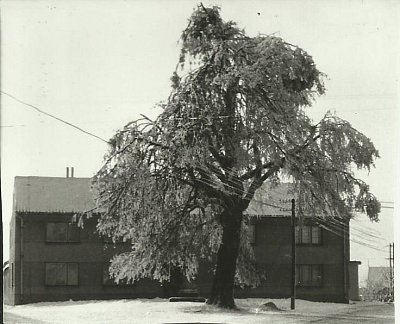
(310, 230)
(70, 237)
(106, 281)
(319, 268)
(252, 233)
(66, 283)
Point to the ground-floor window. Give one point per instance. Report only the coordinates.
(309, 275)
(110, 281)
(62, 274)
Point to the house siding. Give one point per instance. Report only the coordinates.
(273, 254)
(90, 253)
(15, 261)
(354, 293)
(30, 252)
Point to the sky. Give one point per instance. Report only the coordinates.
(100, 64)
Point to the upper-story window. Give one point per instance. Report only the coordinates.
(308, 234)
(62, 232)
(110, 240)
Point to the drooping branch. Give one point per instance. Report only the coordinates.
(234, 120)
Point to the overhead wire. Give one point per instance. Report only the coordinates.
(213, 182)
(335, 226)
(279, 206)
(53, 116)
(338, 225)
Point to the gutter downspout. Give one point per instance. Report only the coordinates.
(22, 259)
(346, 234)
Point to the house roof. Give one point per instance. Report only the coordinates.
(73, 195)
(378, 274)
(52, 194)
(274, 201)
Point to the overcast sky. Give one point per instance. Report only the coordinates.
(100, 64)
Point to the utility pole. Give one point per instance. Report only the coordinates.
(391, 266)
(393, 272)
(293, 298)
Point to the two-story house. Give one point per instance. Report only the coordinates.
(53, 259)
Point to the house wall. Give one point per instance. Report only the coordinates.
(14, 278)
(6, 286)
(272, 249)
(354, 293)
(91, 253)
(273, 254)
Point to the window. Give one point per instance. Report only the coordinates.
(315, 235)
(62, 232)
(309, 275)
(110, 281)
(107, 280)
(62, 274)
(307, 234)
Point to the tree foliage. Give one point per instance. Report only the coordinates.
(234, 120)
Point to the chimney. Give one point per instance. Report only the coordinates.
(67, 172)
(72, 172)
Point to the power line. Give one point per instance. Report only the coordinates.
(10, 126)
(332, 225)
(93, 135)
(54, 117)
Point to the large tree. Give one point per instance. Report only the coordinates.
(177, 187)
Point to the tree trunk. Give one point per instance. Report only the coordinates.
(222, 288)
